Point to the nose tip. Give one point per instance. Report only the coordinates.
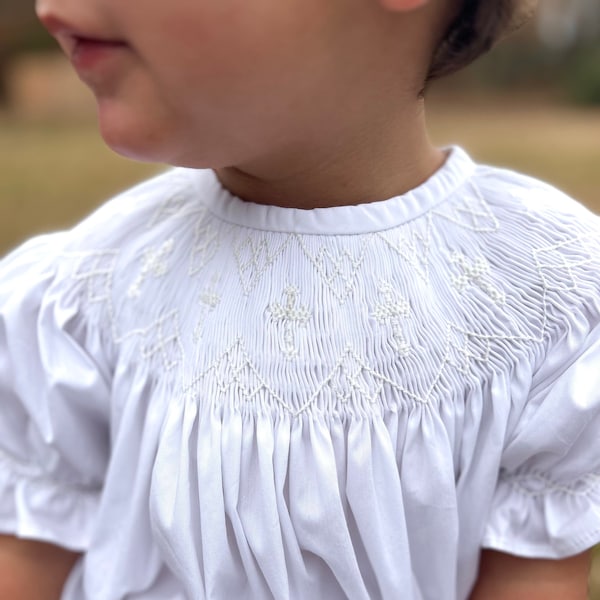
(41, 9)
(47, 16)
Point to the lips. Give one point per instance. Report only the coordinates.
(86, 49)
(87, 53)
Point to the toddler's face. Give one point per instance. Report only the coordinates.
(201, 82)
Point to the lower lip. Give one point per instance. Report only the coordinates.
(89, 55)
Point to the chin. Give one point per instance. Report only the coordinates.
(138, 136)
(156, 137)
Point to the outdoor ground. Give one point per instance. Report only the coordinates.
(54, 173)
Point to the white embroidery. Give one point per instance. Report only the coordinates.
(557, 269)
(256, 254)
(154, 265)
(162, 340)
(209, 300)
(469, 212)
(206, 243)
(171, 207)
(539, 484)
(470, 347)
(233, 376)
(412, 246)
(95, 270)
(351, 379)
(290, 316)
(450, 346)
(338, 266)
(392, 309)
(475, 273)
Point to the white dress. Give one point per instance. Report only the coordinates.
(217, 399)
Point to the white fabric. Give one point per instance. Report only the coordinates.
(216, 399)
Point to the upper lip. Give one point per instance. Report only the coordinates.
(60, 28)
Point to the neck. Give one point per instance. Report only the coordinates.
(375, 160)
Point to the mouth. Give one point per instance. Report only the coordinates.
(86, 50)
(86, 53)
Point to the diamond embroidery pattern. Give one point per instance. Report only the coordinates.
(413, 246)
(161, 341)
(171, 207)
(557, 269)
(95, 270)
(350, 379)
(255, 255)
(206, 243)
(470, 348)
(338, 267)
(470, 212)
(233, 375)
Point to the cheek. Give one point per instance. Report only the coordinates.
(214, 86)
(140, 123)
(228, 43)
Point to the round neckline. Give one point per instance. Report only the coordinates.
(340, 220)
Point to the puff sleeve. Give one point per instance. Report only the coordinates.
(54, 391)
(547, 501)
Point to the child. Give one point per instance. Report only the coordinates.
(321, 358)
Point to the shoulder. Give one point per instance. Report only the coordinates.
(522, 201)
(144, 210)
(545, 246)
(527, 251)
(67, 271)
(536, 222)
(138, 212)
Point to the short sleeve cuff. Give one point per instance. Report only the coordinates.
(35, 507)
(535, 517)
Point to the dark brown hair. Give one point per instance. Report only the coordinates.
(479, 24)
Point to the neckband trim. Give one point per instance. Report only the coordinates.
(340, 220)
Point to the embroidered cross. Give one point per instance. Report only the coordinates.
(155, 264)
(475, 273)
(290, 315)
(209, 300)
(391, 310)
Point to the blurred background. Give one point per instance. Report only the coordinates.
(533, 104)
